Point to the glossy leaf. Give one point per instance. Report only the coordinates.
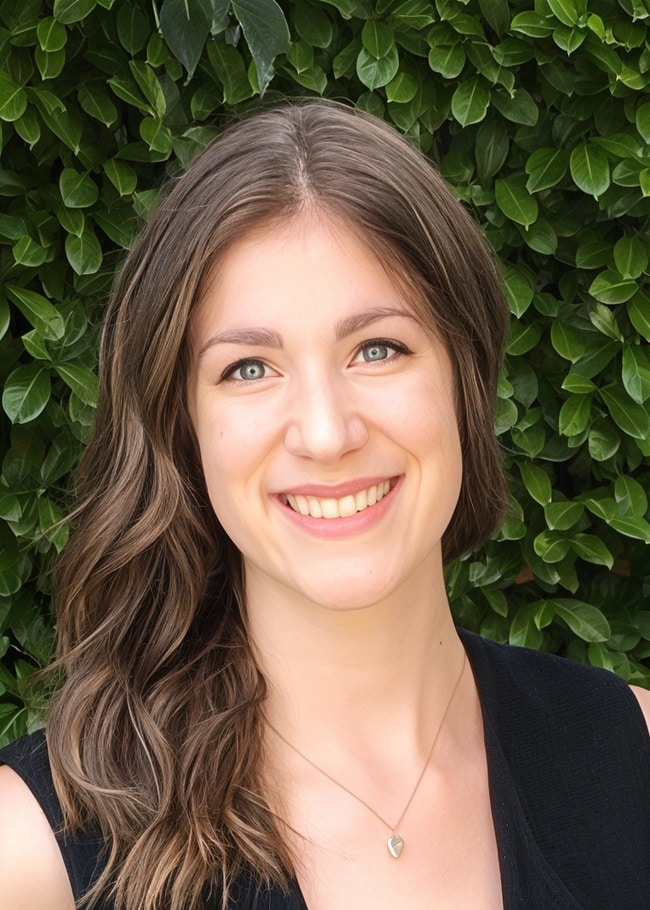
(586, 621)
(636, 373)
(515, 201)
(536, 481)
(590, 169)
(266, 32)
(631, 417)
(69, 11)
(374, 73)
(38, 311)
(546, 167)
(470, 101)
(26, 393)
(78, 191)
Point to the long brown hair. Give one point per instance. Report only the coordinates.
(155, 733)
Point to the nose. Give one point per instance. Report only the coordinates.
(323, 422)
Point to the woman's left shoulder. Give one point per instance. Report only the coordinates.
(643, 698)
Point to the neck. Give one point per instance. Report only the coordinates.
(372, 676)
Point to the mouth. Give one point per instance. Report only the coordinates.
(343, 507)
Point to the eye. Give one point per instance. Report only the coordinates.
(380, 349)
(246, 371)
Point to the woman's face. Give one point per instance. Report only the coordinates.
(324, 412)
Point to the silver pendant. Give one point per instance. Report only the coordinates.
(395, 845)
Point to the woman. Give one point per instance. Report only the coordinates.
(266, 702)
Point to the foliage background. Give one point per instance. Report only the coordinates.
(537, 113)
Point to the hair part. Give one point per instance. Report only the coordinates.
(156, 732)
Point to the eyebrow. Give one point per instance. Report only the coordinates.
(258, 337)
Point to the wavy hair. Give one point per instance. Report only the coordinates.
(155, 733)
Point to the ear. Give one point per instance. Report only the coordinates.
(643, 698)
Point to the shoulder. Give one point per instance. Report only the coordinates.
(643, 698)
(532, 697)
(32, 871)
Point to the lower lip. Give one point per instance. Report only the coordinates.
(336, 528)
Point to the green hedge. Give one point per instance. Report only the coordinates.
(538, 115)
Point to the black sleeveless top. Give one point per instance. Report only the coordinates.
(569, 772)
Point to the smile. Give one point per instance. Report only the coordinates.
(317, 507)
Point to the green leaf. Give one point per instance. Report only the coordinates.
(631, 417)
(638, 309)
(121, 175)
(231, 71)
(590, 169)
(80, 380)
(611, 287)
(562, 516)
(267, 34)
(497, 14)
(518, 288)
(49, 64)
(586, 621)
(313, 25)
(38, 311)
(71, 220)
(630, 496)
(632, 526)
(580, 385)
(492, 146)
(522, 338)
(133, 27)
(536, 481)
(592, 549)
(13, 99)
(95, 101)
(630, 256)
(374, 73)
(565, 11)
(377, 38)
(546, 167)
(157, 136)
(470, 101)
(51, 34)
(604, 320)
(517, 106)
(593, 254)
(515, 201)
(574, 415)
(66, 124)
(402, 89)
(448, 60)
(603, 441)
(69, 11)
(83, 253)
(78, 191)
(551, 546)
(636, 373)
(26, 393)
(531, 24)
(149, 85)
(643, 121)
(29, 253)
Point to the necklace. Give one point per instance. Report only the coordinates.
(395, 842)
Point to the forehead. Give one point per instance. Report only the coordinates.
(314, 264)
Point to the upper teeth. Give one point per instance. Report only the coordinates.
(316, 507)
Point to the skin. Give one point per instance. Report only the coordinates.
(313, 376)
(352, 625)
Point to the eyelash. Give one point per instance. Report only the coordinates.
(400, 349)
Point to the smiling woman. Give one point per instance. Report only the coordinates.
(265, 702)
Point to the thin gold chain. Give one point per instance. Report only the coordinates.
(338, 783)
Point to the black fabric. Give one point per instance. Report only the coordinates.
(569, 770)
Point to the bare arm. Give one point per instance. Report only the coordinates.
(32, 871)
(643, 697)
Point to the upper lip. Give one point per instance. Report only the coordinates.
(336, 491)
